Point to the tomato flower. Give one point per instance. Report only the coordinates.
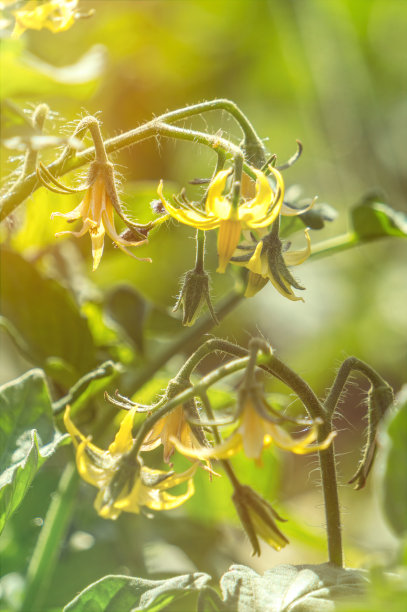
(125, 485)
(219, 211)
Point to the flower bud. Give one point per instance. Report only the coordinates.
(258, 519)
(194, 293)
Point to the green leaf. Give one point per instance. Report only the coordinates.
(289, 588)
(392, 455)
(46, 316)
(372, 219)
(131, 594)
(27, 437)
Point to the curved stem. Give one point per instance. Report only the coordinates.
(350, 364)
(20, 191)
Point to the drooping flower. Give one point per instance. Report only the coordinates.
(220, 213)
(125, 485)
(257, 430)
(172, 425)
(268, 262)
(97, 211)
(54, 15)
(258, 519)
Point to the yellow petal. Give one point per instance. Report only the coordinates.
(215, 192)
(188, 217)
(176, 479)
(252, 430)
(264, 192)
(299, 446)
(228, 239)
(255, 264)
(75, 434)
(227, 449)
(88, 470)
(254, 284)
(294, 258)
(97, 237)
(124, 439)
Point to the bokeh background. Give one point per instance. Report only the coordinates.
(332, 74)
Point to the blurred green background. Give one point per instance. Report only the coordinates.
(330, 73)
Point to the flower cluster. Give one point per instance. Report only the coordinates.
(125, 485)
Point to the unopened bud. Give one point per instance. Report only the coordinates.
(258, 519)
(194, 293)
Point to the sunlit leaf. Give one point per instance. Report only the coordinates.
(131, 594)
(27, 437)
(373, 219)
(393, 455)
(289, 588)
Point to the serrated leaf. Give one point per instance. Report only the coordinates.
(372, 220)
(51, 324)
(132, 594)
(392, 455)
(289, 588)
(27, 437)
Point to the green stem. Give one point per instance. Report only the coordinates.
(200, 250)
(326, 457)
(335, 245)
(20, 190)
(45, 554)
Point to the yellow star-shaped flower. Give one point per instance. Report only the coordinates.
(125, 487)
(219, 211)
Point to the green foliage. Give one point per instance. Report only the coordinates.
(56, 334)
(125, 593)
(373, 219)
(303, 588)
(27, 437)
(393, 477)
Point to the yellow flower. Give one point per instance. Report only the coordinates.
(55, 15)
(125, 485)
(172, 426)
(258, 430)
(97, 212)
(258, 518)
(270, 263)
(256, 213)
